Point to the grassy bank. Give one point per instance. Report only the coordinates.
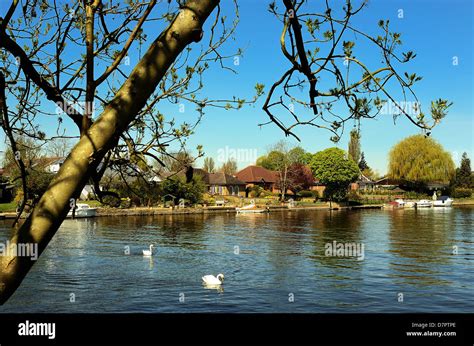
(7, 207)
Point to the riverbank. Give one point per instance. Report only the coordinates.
(146, 211)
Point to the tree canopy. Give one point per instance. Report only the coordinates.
(229, 167)
(331, 166)
(354, 146)
(419, 159)
(290, 163)
(335, 170)
(463, 176)
(300, 177)
(209, 165)
(363, 165)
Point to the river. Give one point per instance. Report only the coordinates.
(413, 261)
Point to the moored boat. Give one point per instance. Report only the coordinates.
(424, 203)
(83, 210)
(251, 209)
(443, 201)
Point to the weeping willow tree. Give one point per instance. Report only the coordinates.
(420, 160)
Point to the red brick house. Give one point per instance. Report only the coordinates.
(256, 175)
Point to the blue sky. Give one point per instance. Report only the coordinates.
(436, 30)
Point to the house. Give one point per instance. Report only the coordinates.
(217, 184)
(221, 184)
(318, 187)
(363, 183)
(224, 185)
(387, 183)
(259, 176)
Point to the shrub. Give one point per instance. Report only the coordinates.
(180, 189)
(352, 195)
(462, 193)
(338, 193)
(415, 195)
(306, 193)
(256, 191)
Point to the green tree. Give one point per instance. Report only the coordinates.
(371, 174)
(209, 165)
(229, 167)
(363, 163)
(272, 160)
(419, 160)
(298, 155)
(180, 189)
(282, 159)
(463, 173)
(354, 146)
(335, 170)
(37, 178)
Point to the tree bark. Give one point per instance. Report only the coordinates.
(103, 135)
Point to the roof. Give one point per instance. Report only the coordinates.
(387, 181)
(223, 179)
(202, 173)
(207, 178)
(364, 179)
(257, 174)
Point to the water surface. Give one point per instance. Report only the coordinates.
(272, 262)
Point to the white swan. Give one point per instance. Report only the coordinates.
(212, 280)
(148, 252)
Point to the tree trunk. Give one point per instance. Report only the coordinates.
(103, 135)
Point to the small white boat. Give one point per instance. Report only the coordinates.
(424, 203)
(83, 210)
(251, 208)
(443, 201)
(410, 204)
